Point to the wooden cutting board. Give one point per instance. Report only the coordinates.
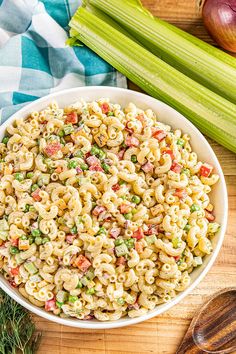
(163, 334)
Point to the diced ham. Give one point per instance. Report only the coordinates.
(205, 170)
(96, 168)
(70, 239)
(98, 210)
(147, 167)
(139, 247)
(138, 234)
(35, 195)
(12, 283)
(209, 216)
(14, 271)
(175, 167)
(52, 148)
(115, 187)
(121, 154)
(115, 232)
(142, 119)
(92, 160)
(124, 208)
(129, 130)
(79, 170)
(169, 152)
(71, 118)
(50, 305)
(131, 141)
(82, 263)
(152, 230)
(158, 134)
(105, 107)
(121, 261)
(180, 193)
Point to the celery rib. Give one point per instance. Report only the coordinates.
(214, 115)
(179, 51)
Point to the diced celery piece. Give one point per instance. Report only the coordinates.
(213, 227)
(121, 250)
(18, 259)
(62, 296)
(150, 239)
(4, 226)
(3, 235)
(84, 281)
(197, 261)
(44, 179)
(30, 267)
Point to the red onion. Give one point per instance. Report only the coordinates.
(219, 17)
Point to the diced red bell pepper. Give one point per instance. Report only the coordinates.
(138, 234)
(52, 148)
(147, 167)
(115, 232)
(35, 195)
(96, 168)
(177, 258)
(14, 242)
(50, 305)
(124, 208)
(121, 261)
(180, 193)
(169, 152)
(205, 170)
(115, 187)
(14, 271)
(152, 230)
(82, 263)
(105, 108)
(175, 167)
(98, 210)
(71, 118)
(158, 134)
(139, 247)
(209, 216)
(131, 141)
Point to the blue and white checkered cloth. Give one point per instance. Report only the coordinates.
(34, 59)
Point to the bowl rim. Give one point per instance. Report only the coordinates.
(157, 311)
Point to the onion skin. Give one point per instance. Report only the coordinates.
(219, 17)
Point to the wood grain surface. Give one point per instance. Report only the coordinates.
(162, 334)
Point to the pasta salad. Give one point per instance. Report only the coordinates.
(104, 210)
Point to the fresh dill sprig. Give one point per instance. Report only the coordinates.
(17, 329)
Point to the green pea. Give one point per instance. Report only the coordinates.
(38, 240)
(27, 206)
(34, 187)
(73, 230)
(134, 158)
(84, 167)
(23, 237)
(120, 301)
(94, 150)
(72, 164)
(29, 175)
(45, 240)
(61, 133)
(79, 154)
(128, 216)
(79, 285)
(180, 142)
(19, 176)
(35, 232)
(194, 207)
(91, 291)
(136, 199)
(14, 250)
(106, 167)
(119, 241)
(5, 140)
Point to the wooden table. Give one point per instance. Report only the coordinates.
(161, 334)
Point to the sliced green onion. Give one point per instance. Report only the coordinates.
(212, 114)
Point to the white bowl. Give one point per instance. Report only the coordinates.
(200, 145)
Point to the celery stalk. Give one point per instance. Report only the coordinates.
(212, 114)
(178, 51)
